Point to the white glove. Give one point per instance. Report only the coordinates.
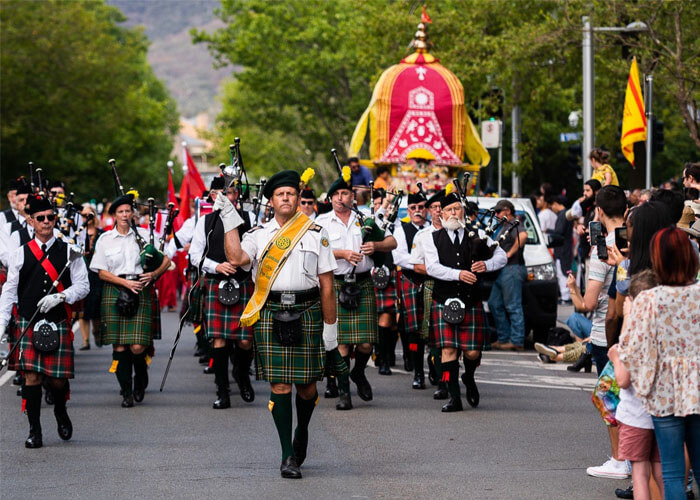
(50, 301)
(228, 213)
(330, 336)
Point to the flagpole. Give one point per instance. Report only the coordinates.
(650, 127)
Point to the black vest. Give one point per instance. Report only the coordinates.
(34, 282)
(9, 215)
(410, 231)
(23, 232)
(217, 253)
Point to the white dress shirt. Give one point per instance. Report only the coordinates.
(417, 254)
(311, 256)
(344, 237)
(402, 254)
(444, 273)
(198, 243)
(183, 235)
(79, 288)
(3, 219)
(118, 253)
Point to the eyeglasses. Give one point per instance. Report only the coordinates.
(42, 218)
(306, 202)
(413, 208)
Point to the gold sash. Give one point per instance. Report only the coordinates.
(273, 258)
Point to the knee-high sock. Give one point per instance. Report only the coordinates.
(384, 343)
(124, 367)
(436, 353)
(305, 407)
(470, 365)
(417, 348)
(342, 377)
(242, 361)
(361, 360)
(140, 369)
(60, 396)
(31, 394)
(281, 409)
(220, 357)
(450, 374)
(347, 360)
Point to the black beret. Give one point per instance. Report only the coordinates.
(36, 204)
(378, 193)
(13, 185)
(472, 208)
(449, 200)
(217, 183)
(24, 188)
(415, 198)
(435, 198)
(324, 207)
(57, 184)
(284, 178)
(308, 194)
(338, 184)
(126, 199)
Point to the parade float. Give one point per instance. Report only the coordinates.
(418, 124)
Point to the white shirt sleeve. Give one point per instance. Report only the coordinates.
(80, 286)
(249, 244)
(433, 266)
(498, 259)
(197, 246)
(9, 289)
(326, 261)
(400, 253)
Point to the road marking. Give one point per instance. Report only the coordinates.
(6, 377)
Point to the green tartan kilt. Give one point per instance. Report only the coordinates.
(300, 364)
(140, 329)
(195, 313)
(358, 326)
(427, 304)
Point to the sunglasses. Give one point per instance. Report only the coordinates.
(416, 207)
(42, 218)
(307, 202)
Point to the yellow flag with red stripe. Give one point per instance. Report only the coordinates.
(634, 119)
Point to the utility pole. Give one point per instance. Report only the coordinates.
(588, 98)
(516, 188)
(650, 129)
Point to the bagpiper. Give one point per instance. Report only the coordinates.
(38, 284)
(293, 307)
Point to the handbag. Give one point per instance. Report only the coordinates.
(286, 326)
(45, 336)
(229, 292)
(454, 311)
(127, 303)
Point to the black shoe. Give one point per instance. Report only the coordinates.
(204, 359)
(624, 493)
(18, 380)
(128, 401)
(364, 390)
(384, 368)
(344, 402)
(209, 370)
(441, 393)
(331, 388)
(407, 363)
(585, 362)
(34, 440)
(139, 393)
(223, 401)
(244, 388)
(48, 396)
(418, 381)
(65, 426)
(198, 352)
(454, 404)
(299, 446)
(289, 469)
(86, 347)
(472, 390)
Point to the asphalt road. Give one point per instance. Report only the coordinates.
(533, 436)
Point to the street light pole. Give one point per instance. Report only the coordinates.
(588, 97)
(515, 156)
(650, 130)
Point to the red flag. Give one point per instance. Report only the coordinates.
(177, 223)
(192, 186)
(425, 18)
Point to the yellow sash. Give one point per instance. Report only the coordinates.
(273, 258)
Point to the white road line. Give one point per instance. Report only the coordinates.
(537, 386)
(7, 376)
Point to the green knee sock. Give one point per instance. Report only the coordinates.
(305, 407)
(281, 409)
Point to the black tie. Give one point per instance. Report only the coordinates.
(43, 247)
(456, 241)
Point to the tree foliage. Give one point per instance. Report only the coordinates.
(76, 90)
(310, 66)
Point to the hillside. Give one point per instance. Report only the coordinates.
(186, 69)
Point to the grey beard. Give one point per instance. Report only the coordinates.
(452, 224)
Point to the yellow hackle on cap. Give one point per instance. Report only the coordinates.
(346, 174)
(307, 175)
(449, 188)
(134, 193)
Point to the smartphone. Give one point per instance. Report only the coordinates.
(595, 230)
(621, 237)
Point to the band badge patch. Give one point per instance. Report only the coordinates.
(324, 242)
(413, 246)
(357, 223)
(283, 242)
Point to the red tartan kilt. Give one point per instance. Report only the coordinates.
(387, 298)
(412, 304)
(471, 335)
(223, 322)
(58, 364)
(13, 334)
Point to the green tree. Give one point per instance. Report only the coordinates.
(76, 90)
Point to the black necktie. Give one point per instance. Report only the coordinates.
(43, 247)
(456, 241)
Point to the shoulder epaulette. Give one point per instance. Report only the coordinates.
(255, 228)
(315, 227)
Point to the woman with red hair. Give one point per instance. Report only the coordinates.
(660, 346)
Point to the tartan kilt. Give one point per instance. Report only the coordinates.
(57, 364)
(471, 335)
(360, 325)
(195, 314)
(220, 321)
(13, 334)
(301, 364)
(425, 330)
(411, 304)
(387, 299)
(138, 329)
